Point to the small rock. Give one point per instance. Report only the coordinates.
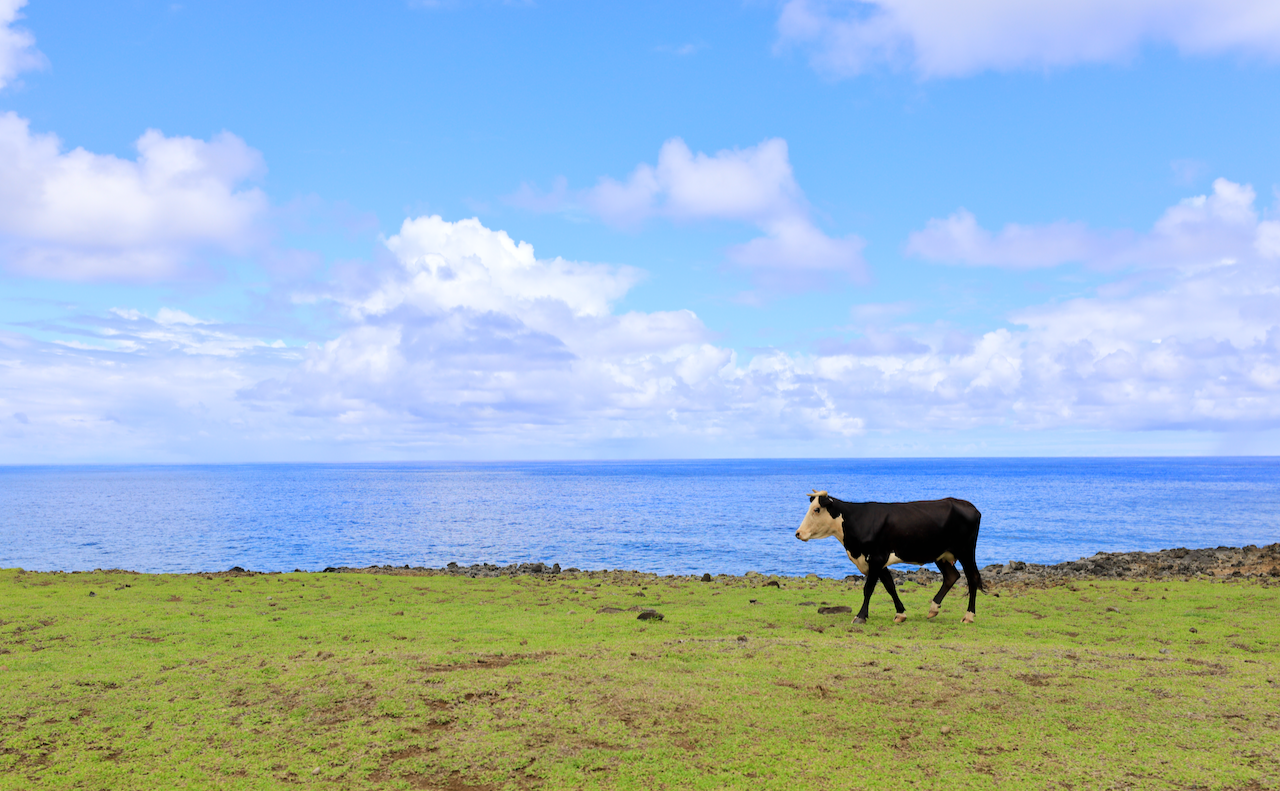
(236, 569)
(742, 638)
(608, 610)
(946, 729)
(706, 577)
(772, 584)
(749, 601)
(807, 604)
(1195, 630)
(91, 593)
(315, 771)
(834, 610)
(649, 615)
(1113, 609)
(1164, 650)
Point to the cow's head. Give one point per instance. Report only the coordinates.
(821, 520)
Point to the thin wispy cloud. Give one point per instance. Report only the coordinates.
(1198, 230)
(754, 186)
(945, 38)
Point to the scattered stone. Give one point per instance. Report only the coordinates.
(946, 729)
(772, 584)
(91, 593)
(1113, 609)
(749, 601)
(706, 577)
(650, 615)
(742, 638)
(1164, 650)
(1195, 630)
(807, 604)
(607, 610)
(235, 570)
(315, 771)
(834, 610)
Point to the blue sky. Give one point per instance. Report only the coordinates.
(241, 232)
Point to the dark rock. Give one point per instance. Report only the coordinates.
(834, 610)
(609, 610)
(807, 604)
(706, 577)
(772, 584)
(235, 569)
(650, 615)
(328, 570)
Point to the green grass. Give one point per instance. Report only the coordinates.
(362, 681)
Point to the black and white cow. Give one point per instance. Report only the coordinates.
(878, 535)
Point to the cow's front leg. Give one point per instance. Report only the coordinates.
(867, 587)
(886, 577)
(949, 578)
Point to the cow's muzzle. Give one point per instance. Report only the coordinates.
(802, 538)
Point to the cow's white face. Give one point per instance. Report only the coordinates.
(818, 521)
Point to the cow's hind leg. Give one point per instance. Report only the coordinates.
(867, 588)
(974, 581)
(949, 578)
(886, 577)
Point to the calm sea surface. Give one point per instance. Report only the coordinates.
(669, 517)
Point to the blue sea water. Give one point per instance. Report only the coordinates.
(682, 517)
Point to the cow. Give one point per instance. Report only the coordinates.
(878, 535)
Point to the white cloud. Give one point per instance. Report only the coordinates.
(753, 185)
(469, 344)
(1198, 230)
(84, 216)
(946, 38)
(17, 47)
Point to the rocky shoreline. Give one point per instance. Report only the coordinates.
(1250, 562)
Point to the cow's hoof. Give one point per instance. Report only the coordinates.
(900, 617)
(934, 609)
(968, 617)
(859, 620)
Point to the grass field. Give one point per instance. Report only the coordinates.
(359, 681)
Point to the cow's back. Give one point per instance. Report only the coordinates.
(926, 528)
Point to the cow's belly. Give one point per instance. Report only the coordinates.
(861, 560)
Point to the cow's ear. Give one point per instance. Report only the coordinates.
(825, 502)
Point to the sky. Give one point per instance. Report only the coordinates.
(322, 231)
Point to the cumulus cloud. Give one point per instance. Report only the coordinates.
(1200, 229)
(754, 185)
(77, 215)
(17, 47)
(470, 331)
(941, 38)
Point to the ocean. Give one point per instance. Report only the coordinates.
(669, 517)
